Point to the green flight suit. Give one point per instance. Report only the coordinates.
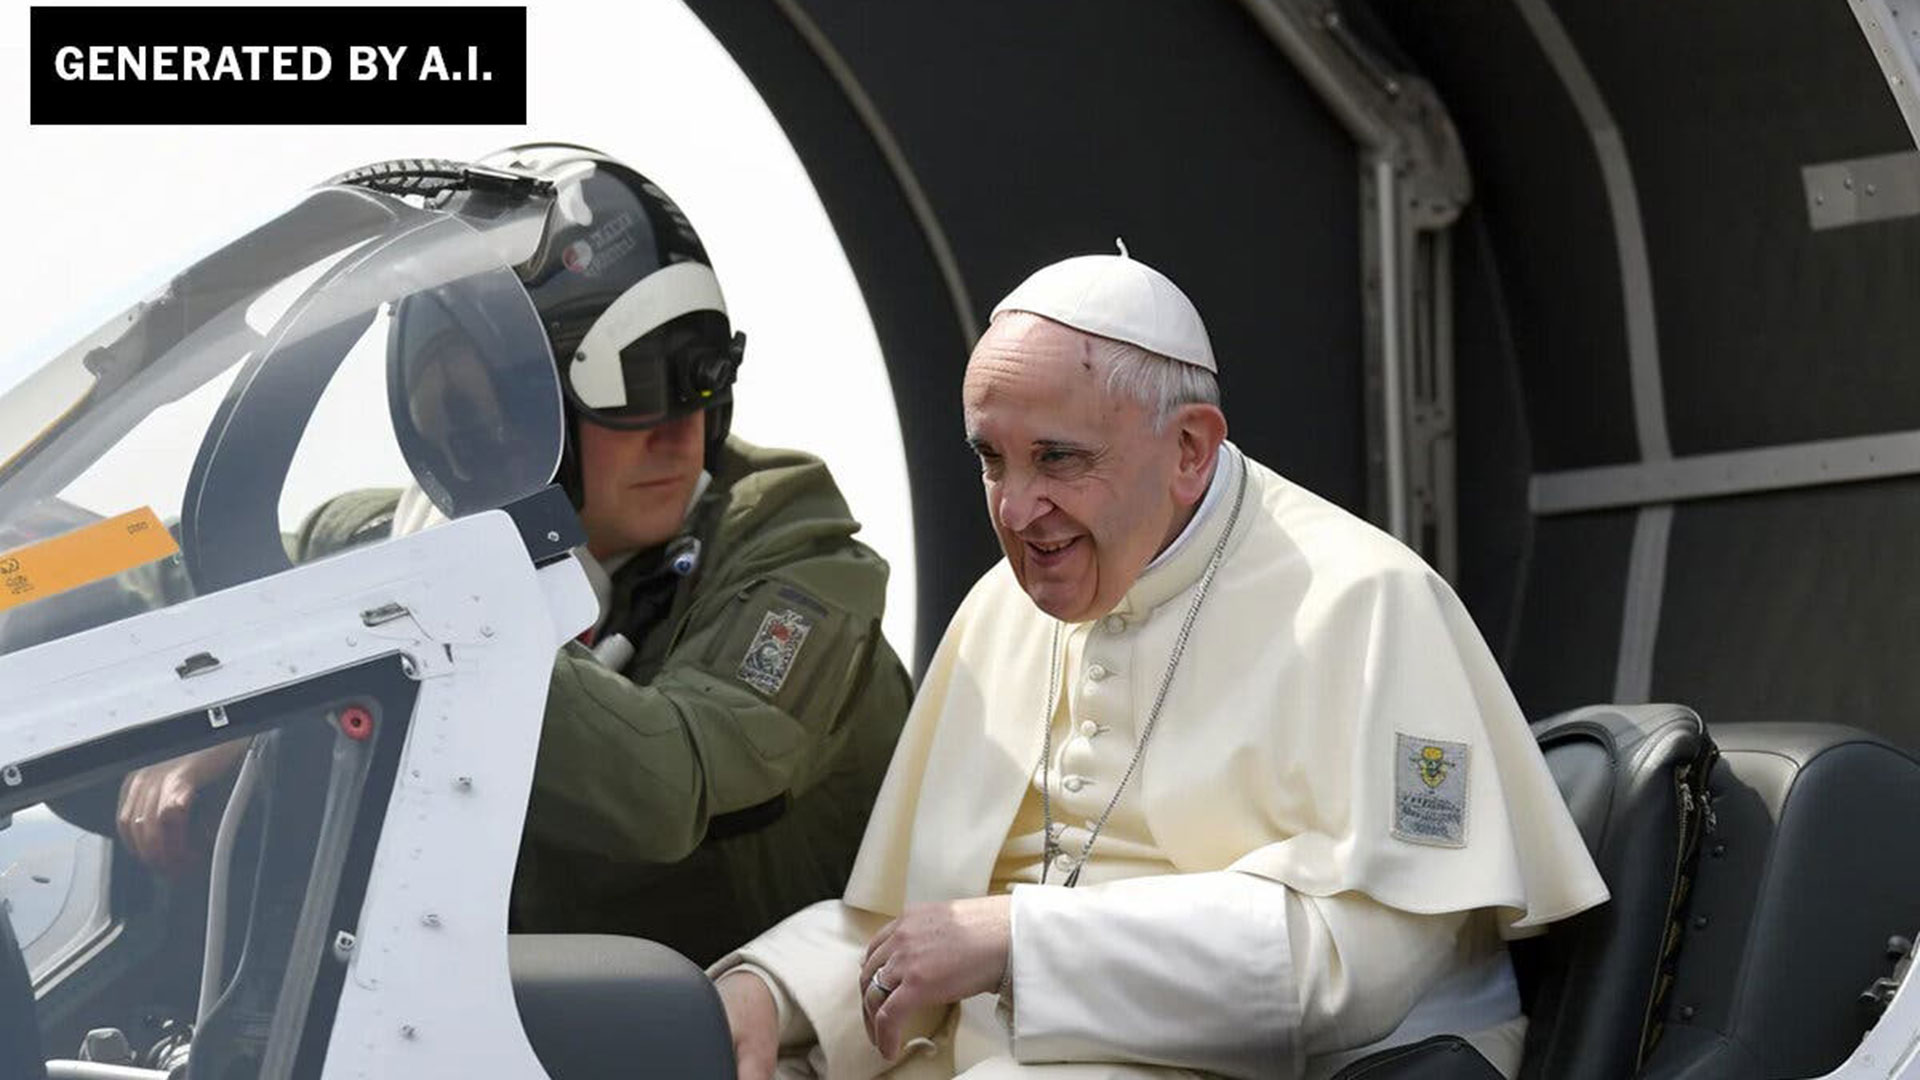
(722, 779)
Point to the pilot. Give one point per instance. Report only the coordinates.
(712, 746)
(1206, 775)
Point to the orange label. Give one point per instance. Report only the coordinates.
(82, 557)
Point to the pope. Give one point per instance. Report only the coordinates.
(1207, 774)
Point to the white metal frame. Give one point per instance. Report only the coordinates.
(428, 993)
(1893, 32)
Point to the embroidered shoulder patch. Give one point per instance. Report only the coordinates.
(774, 648)
(1430, 791)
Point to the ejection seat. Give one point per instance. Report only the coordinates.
(1813, 865)
(1744, 926)
(1596, 986)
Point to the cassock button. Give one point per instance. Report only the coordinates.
(1096, 672)
(1073, 783)
(1114, 624)
(1089, 729)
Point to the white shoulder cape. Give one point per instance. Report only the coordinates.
(1323, 653)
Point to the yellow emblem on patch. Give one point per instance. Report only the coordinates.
(1430, 797)
(1431, 764)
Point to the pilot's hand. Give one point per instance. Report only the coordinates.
(932, 955)
(755, 1021)
(156, 818)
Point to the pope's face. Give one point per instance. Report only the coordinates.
(638, 483)
(1082, 492)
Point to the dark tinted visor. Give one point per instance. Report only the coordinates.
(682, 366)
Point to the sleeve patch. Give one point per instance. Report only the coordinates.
(1430, 791)
(774, 648)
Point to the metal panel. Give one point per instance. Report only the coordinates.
(1705, 476)
(1545, 206)
(1770, 333)
(1413, 184)
(1798, 606)
(1640, 618)
(1636, 279)
(1841, 193)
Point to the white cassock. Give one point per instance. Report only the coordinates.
(1340, 817)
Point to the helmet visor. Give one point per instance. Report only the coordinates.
(681, 367)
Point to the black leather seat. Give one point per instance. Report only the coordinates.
(1595, 985)
(1814, 863)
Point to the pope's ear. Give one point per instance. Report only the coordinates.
(1199, 429)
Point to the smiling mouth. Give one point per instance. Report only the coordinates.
(1047, 551)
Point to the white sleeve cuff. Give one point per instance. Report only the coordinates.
(795, 1030)
(1190, 970)
(813, 959)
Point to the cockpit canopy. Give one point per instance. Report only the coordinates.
(358, 340)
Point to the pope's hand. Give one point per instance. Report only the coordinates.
(755, 1021)
(156, 819)
(933, 954)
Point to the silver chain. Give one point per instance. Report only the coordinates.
(1048, 847)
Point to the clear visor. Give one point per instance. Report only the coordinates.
(354, 342)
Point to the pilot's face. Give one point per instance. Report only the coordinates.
(638, 483)
(1082, 492)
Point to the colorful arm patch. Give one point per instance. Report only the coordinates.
(1430, 791)
(773, 650)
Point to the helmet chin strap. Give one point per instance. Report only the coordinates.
(700, 487)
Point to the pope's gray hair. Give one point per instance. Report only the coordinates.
(1159, 383)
